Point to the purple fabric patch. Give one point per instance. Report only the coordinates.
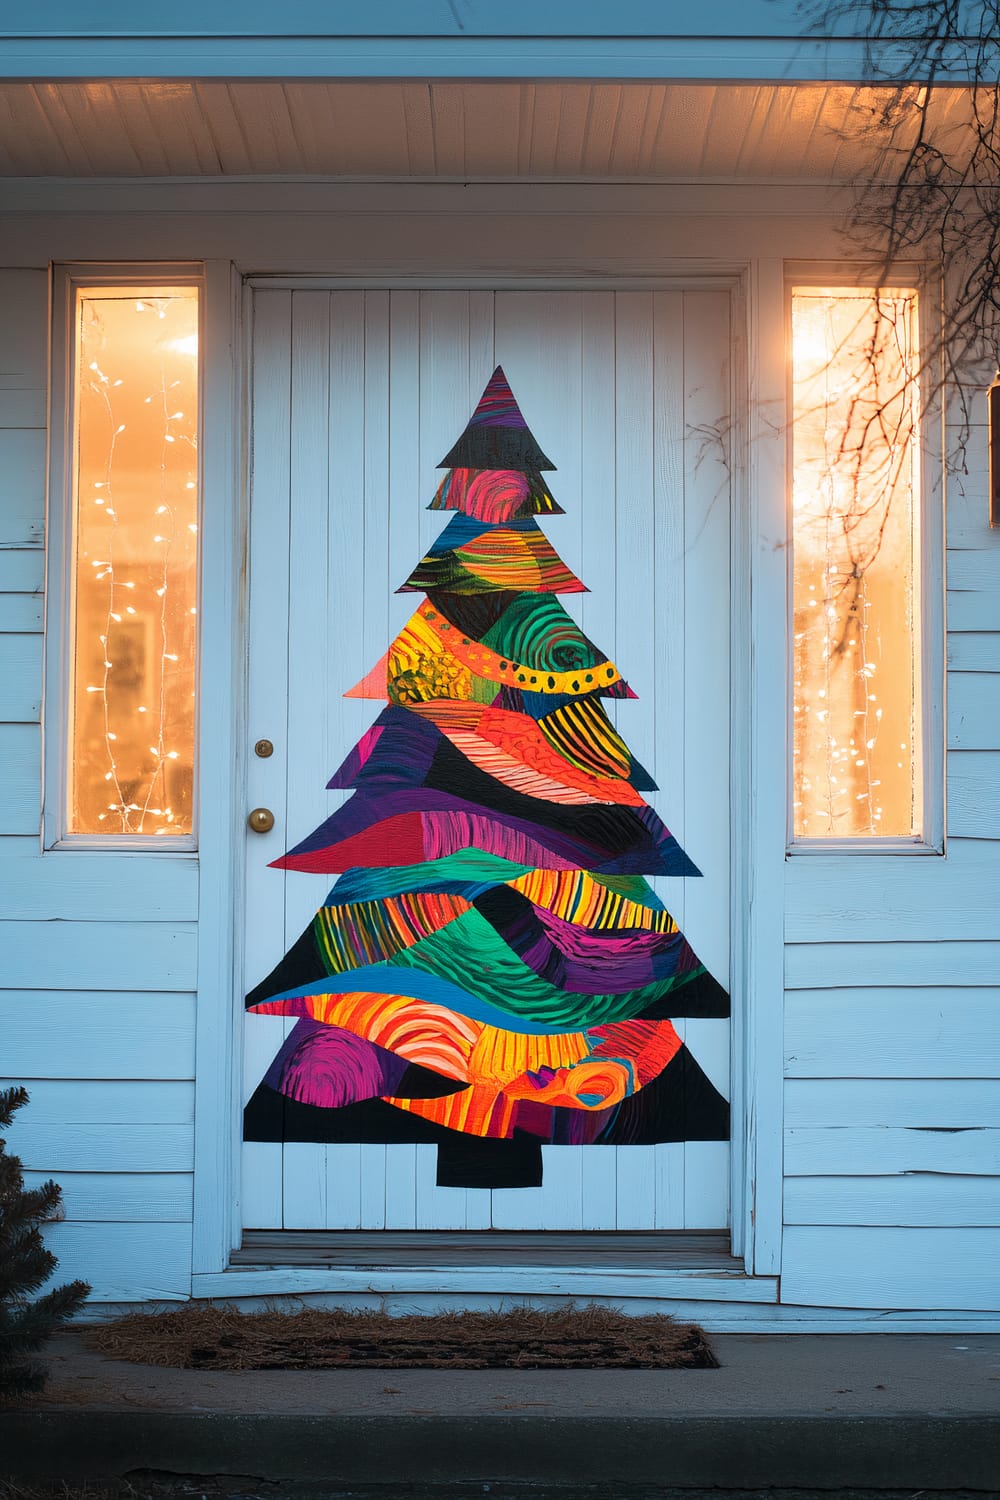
(328, 1066)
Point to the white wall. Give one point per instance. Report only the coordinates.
(892, 1013)
(892, 963)
(96, 1006)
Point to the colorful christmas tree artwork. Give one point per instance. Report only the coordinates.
(491, 972)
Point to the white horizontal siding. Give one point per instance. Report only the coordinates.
(87, 1034)
(930, 1200)
(889, 896)
(102, 1101)
(123, 1197)
(76, 885)
(106, 955)
(897, 965)
(891, 1267)
(21, 783)
(974, 795)
(872, 1033)
(944, 1103)
(881, 1150)
(68, 1146)
(125, 1262)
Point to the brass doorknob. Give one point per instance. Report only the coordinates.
(261, 820)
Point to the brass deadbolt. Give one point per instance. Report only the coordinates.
(264, 749)
(261, 820)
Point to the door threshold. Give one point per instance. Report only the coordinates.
(622, 1250)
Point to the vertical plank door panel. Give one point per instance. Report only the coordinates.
(357, 397)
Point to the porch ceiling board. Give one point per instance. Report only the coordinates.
(392, 129)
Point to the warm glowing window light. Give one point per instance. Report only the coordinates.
(135, 550)
(856, 584)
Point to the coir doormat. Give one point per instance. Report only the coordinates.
(206, 1337)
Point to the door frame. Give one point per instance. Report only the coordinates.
(757, 776)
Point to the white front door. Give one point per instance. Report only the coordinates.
(356, 398)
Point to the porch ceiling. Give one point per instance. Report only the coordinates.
(423, 129)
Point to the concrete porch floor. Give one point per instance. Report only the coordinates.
(785, 1411)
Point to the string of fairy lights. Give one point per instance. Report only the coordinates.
(164, 497)
(855, 428)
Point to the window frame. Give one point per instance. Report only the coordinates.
(60, 528)
(929, 505)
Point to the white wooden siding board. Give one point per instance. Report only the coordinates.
(73, 1101)
(535, 331)
(125, 1262)
(669, 522)
(906, 1102)
(24, 297)
(707, 1038)
(974, 794)
(902, 1033)
(267, 618)
(304, 1186)
(891, 1267)
(310, 646)
(706, 1184)
(26, 408)
(967, 515)
(636, 1187)
(21, 679)
(968, 610)
(516, 1208)
(706, 566)
(928, 1200)
(81, 886)
(90, 1035)
(129, 1197)
(22, 571)
(18, 846)
(22, 463)
(598, 1188)
(973, 711)
(20, 614)
(17, 530)
(20, 786)
(669, 1174)
(590, 497)
(632, 642)
(878, 1151)
(974, 651)
(562, 1186)
(372, 1215)
(635, 579)
(409, 490)
(975, 570)
(849, 899)
(343, 1186)
(840, 965)
(109, 955)
(260, 1191)
(309, 651)
(100, 1147)
(438, 1207)
(400, 1186)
